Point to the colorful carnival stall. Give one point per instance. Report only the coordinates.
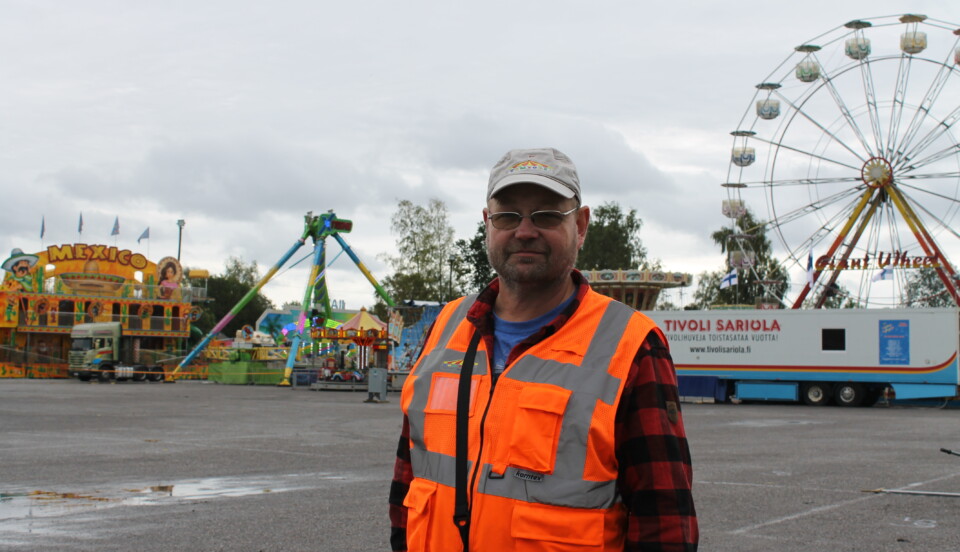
(44, 294)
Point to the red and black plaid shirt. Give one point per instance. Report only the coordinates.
(655, 476)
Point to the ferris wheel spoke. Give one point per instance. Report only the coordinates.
(945, 153)
(929, 176)
(866, 76)
(810, 154)
(893, 231)
(942, 128)
(819, 205)
(896, 110)
(785, 183)
(920, 115)
(847, 116)
(823, 129)
(941, 223)
(823, 232)
(863, 288)
(901, 184)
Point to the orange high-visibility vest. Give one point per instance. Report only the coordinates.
(542, 464)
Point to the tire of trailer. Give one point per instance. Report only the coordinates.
(139, 372)
(154, 373)
(816, 393)
(106, 372)
(849, 394)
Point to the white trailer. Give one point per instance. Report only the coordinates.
(842, 356)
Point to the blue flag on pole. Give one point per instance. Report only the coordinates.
(810, 268)
(43, 226)
(885, 274)
(116, 227)
(729, 279)
(145, 235)
(80, 224)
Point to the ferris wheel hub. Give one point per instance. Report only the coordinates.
(877, 172)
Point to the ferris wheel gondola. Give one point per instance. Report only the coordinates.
(850, 143)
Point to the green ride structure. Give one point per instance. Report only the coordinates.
(315, 296)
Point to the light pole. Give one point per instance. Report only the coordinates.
(450, 261)
(180, 223)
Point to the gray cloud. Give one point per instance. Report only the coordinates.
(241, 118)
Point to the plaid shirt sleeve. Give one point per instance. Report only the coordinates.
(655, 475)
(402, 476)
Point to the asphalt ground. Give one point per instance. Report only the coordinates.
(203, 467)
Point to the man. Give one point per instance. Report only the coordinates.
(564, 433)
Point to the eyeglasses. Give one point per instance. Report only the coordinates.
(540, 219)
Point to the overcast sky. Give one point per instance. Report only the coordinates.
(239, 117)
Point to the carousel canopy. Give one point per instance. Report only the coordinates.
(363, 321)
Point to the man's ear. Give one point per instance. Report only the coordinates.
(583, 222)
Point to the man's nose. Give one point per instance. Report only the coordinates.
(527, 228)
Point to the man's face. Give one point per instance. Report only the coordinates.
(21, 268)
(528, 254)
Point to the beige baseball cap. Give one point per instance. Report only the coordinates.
(546, 167)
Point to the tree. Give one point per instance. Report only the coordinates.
(837, 297)
(926, 289)
(613, 241)
(425, 246)
(226, 290)
(475, 263)
(765, 280)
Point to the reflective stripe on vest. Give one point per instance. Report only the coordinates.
(440, 358)
(587, 382)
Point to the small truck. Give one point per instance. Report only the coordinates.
(100, 351)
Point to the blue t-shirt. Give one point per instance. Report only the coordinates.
(507, 335)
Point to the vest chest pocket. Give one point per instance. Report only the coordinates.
(444, 389)
(440, 412)
(536, 427)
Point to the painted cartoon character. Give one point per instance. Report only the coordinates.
(170, 274)
(20, 266)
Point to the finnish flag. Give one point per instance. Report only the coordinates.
(729, 279)
(885, 274)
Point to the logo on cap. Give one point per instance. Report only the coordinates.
(530, 165)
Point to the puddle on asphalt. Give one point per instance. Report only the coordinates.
(18, 505)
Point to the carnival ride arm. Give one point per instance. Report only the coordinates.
(237, 308)
(655, 475)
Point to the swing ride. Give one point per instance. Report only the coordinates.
(315, 296)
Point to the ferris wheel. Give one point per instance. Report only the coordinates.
(850, 146)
